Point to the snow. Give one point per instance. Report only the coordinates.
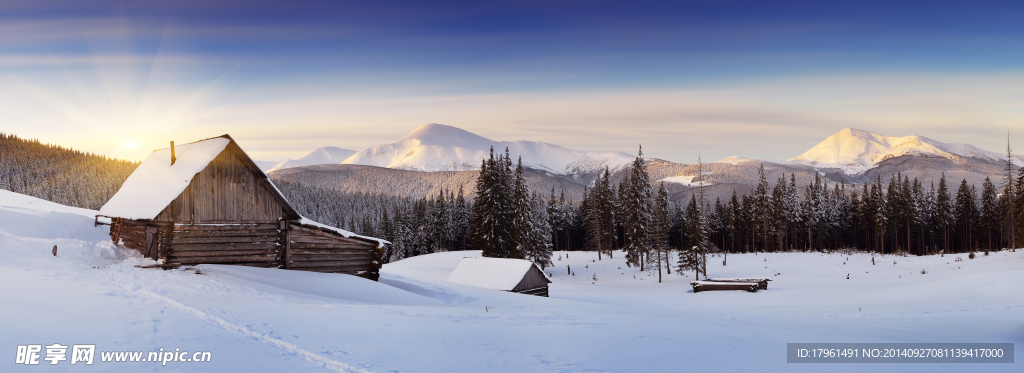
(26, 216)
(413, 320)
(685, 180)
(855, 151)
(735, 160)
(155, 183)
(324, 155)
(490, 273)
(344, 233)
(437, 147)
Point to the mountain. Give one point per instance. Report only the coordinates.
(437, 147)
(855, 151)
(349, 178)
(435, 157)
(324, 155)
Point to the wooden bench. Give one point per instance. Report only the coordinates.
(762, 283)
(699, 286)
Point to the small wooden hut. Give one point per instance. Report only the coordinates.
(206, 202)
(514, 275)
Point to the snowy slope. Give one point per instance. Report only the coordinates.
(324, 155)
(262, 319)
(855, 151)
(437, 147)
(26, 216)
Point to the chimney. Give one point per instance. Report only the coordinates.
(173, 158)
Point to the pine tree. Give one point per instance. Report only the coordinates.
(540, 250)
(1017, 208)
(689, 254)
(660, 229)
(491, 230)
(964, 212)
(989, 214)
(604, 213)
(1011, 195)
(637, 213)
(943, 212)
(522, 215)
(762, 208)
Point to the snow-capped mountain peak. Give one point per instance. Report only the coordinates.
(439, 147)
(855, 151)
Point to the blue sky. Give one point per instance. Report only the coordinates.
(750, 78)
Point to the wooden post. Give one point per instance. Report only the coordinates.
(288, 245)
(173, 158)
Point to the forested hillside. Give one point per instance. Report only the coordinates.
(359, 179)
(66, 176)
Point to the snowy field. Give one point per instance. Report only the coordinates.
(253, 319)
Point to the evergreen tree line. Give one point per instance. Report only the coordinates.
(901, 216)
(413, 226)
(505, 219)
(62, 175)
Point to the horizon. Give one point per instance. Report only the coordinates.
(718, 79)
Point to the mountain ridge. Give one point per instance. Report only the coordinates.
(439, 147)
(856, 151)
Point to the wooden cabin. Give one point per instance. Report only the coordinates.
(514, 275)
(206, 202)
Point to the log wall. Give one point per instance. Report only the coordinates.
(317, 250)
(253, 244)
(147, 237)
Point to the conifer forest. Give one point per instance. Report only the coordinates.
(504, 217)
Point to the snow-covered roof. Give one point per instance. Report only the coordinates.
(155, 183)
(490, 273)
(344, 233)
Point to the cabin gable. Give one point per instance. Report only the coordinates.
(229, 190)
(533, 279)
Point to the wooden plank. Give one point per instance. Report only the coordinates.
(226, 246)
(305, 238)
(287, 249)
(330, 234)
(261, 264)
(341, 266)
(332, 258)
(226, 259)
(324, 243)
(196, 254)
(326, 270)
(226, 233)
(225, 239)
(329, 251)
(225, 227)
(761, 281)
(302, 245)
(699, 286)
